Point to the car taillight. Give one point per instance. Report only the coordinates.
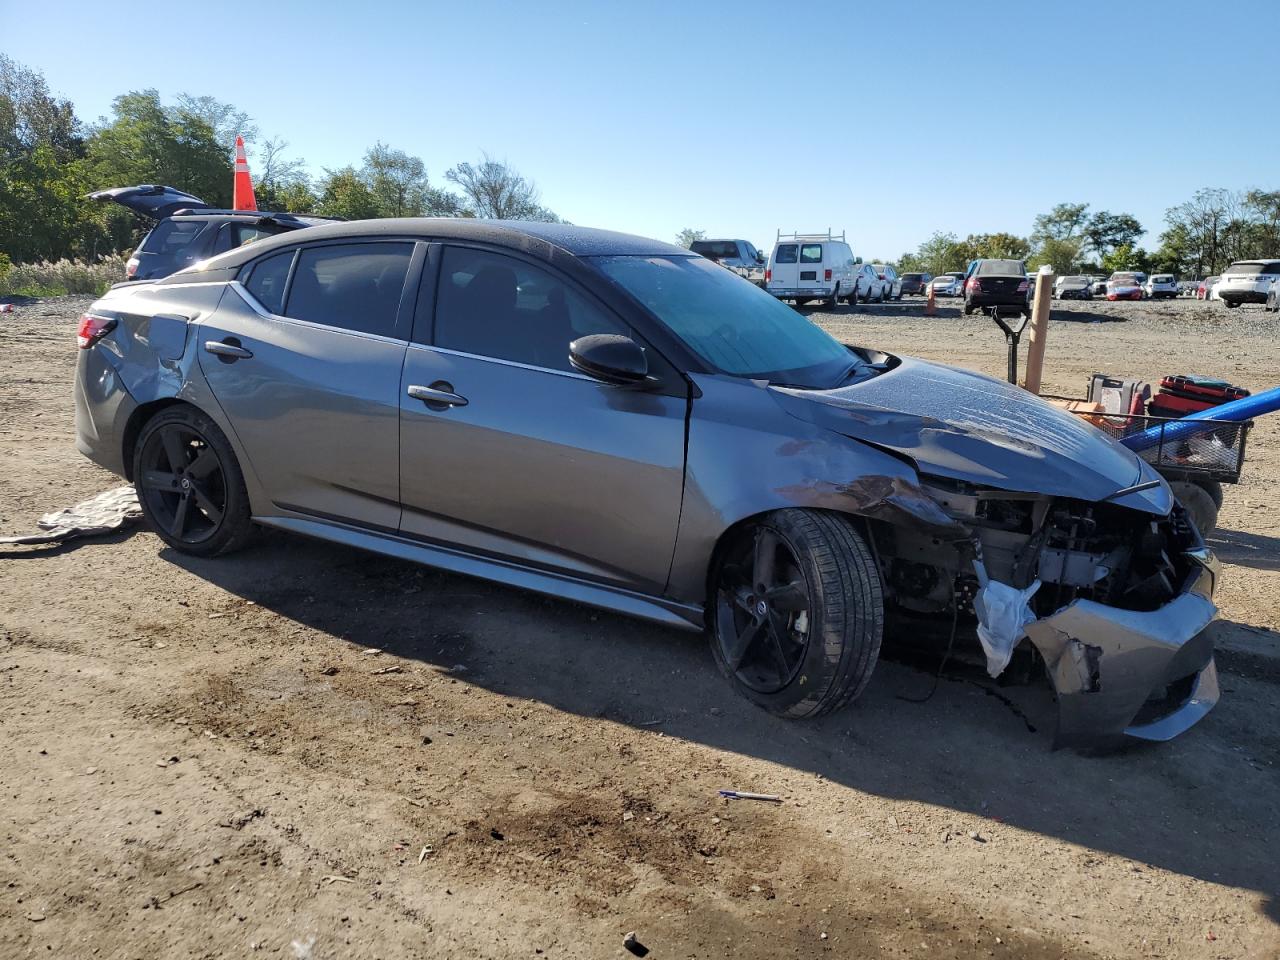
(768, 275)
(131, 268)
(1022, 287)
(92, 329)
(826, 274)
(973, 284)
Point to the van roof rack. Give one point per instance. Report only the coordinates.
(810, 236)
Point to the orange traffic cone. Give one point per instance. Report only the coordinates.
(930, 305)
(242, 194)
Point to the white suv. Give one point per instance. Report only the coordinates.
(1160, 285)
(1247, 281)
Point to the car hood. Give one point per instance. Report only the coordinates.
(966, 426)
(150, 200)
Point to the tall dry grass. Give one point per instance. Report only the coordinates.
(55, 278)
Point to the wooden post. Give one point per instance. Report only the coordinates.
(1039, 329)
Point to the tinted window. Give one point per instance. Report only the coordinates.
(266, 281)
(786, 253)
(735, 327)
(1001, 268)
(172, 236)
(355, 286)
(496, 306)
(811, 253)
(715, 249)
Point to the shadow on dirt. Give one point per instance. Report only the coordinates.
(1246, 549)
(1204, 805)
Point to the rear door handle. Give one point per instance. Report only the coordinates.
(440, 394)
(227, 349)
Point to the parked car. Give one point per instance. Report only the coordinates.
(870, 285)
(1098, 286)
(740, 256)
(1205, 291)
(997, 283)
(1160, 286)
(949, 284)
(1124, 285)
(1247, 281)
(622, 423)
(1073, 288)
(806, 267)
(189, 230)
(916, 283)
(892, 282)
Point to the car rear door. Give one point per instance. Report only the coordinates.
(811, 269)
(784, 271)
(304, 357)
(507, 452)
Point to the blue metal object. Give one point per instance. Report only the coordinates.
(1236, 411)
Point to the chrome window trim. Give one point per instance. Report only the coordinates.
(572, 375)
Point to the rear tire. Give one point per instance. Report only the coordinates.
(1199, 504)
(797, 632)
(190, 485)
(1231, 304)
(834, 300)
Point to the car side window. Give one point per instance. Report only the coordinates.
(355, 286)
(267, 279)
(242, 233)
(496, 306)
(811, 253)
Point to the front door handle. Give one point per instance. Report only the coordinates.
(438, 396)
(228, 349)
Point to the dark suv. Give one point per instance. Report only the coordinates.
(189, 230)
(997, 283)
(917, 283)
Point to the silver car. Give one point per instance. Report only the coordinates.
(623, 423)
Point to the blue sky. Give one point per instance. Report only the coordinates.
(889, 121)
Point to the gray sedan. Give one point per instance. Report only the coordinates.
(620, 422)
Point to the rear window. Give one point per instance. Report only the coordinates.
(786, 253)
(267, 281)
(913, 276)
(172, 236)
(1253, 266)
(1162, 278)
(354, 286)
(1002, 268)
(811, 253)
(715, 249)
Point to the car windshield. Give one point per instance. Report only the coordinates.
(1124, 278)
(732, 325)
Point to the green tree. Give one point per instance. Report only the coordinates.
(1065, 221)
(345, 193)
(688, 235)
(492, 188)
(1105, 231)
(1062, 255)
(997, 246)
(1126, 257)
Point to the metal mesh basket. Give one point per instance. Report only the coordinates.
(1213, 448)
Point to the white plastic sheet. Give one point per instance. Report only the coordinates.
(105, 513)
(1003, 614)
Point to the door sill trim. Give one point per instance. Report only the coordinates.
(619, 600)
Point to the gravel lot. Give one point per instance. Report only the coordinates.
(305, 751)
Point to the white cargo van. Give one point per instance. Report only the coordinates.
(811, 266)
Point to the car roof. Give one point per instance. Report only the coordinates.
(578, 241)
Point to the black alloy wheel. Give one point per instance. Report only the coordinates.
(183, 483)
(189, 484)
(762, 612)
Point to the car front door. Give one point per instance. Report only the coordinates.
(304, 357)
(507, 452)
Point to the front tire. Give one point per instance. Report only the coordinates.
(190, 485)
(1199, 504)
(797, 613)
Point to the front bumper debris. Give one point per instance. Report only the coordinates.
(1149, 675)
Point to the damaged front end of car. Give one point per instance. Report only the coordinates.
(1116, 602)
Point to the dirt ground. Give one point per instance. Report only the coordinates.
(306, 751)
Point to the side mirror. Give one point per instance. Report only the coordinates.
(857, 260)
(611, 359)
